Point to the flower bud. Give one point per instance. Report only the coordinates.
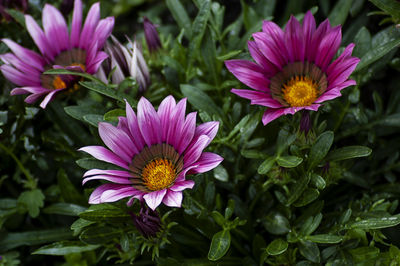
(151, 35)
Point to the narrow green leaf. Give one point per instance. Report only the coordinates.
(377, 223)
(311, 224)
(324, 239)
(79, 224)
(277, 247)
(100, 235)
(219, 245)
(376, 53)
(285, 139)
(297, 189)
(310, 251)
(289, 161)
(275, 223)
(201, 100)
(320, 149)
(68, 192)
(308, 196)
(318, 181)
(364, 254)
(348, 152)
(199, 27)
(17, 15)
(62, 208)
(218, 218)
(60, 71)
(221, 174)
(339, 13)
(114, 114)
(30, 238)
(391, 7)
(229, 55)
(64, 248)
(180, 16)
(266, 166)
(105, 215)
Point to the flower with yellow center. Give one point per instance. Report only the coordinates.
(156, 150)
(294, 68)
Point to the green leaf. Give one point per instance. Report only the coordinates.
(324, 239)
(308, 196)
(276, 247)
(79, 224)
(390, 120)
(377, 223)
(17, 15)
(114, 114)
(100, 235)
(218, 218)
(284, 140)
(79, 111)
(364, 254)
(68, 192)
(376, 53)
(33, 200)
(289, 161)
(219, 245)
(310, 251)
(320, 148)
(199, 27)
(180, 16)
(62, 208)
(339, 13)
(391, 7)
(229, 55)
(104, 90)
(30, 238)
(64, 248)
(266, 166)
(318, 181)
(297, 189)
(348, 152)
(221, 174)
(275, 223)
(362, 41)
(310, 225)
(200, 100)
(91, 163)
(105, 215)
(94, 120)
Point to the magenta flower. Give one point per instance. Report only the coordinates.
(156, 151)
(78, 50)
(294, 68)
(151, 35)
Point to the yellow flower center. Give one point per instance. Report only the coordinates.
(300, 91)
(158, 174)
(58, 83)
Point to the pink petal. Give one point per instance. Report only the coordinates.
(210, 129)
(173, 198)
(76, 23)
(112, 195)
(194, 151)
(134, 127)
(48, 98)
(308, 31)
(34, 97)
(277, 37)
(102, 154)
(96, 194)
(259, 57)
(55, 28)
(149, 122)
(258, 97)
(103, 30)
(114, 179)
(25, 90)
(322, 30)
(22, 66)
(342, 72)
(119, 173)
(249, 73)
(91, 22)
(272, 114)
(294, 40)
(19, 78)
(26, 55)
(187, 133)
(39, 38)
(93, 65)
(182, 185)
(328, 48)
(176, 123)
(117, 141)
(165, 110)
(153, 199)
(207, 161)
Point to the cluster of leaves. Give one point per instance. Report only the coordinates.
(280, 197)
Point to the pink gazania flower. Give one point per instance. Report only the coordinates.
(156, 151)
(294, 68)
(78, 50)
